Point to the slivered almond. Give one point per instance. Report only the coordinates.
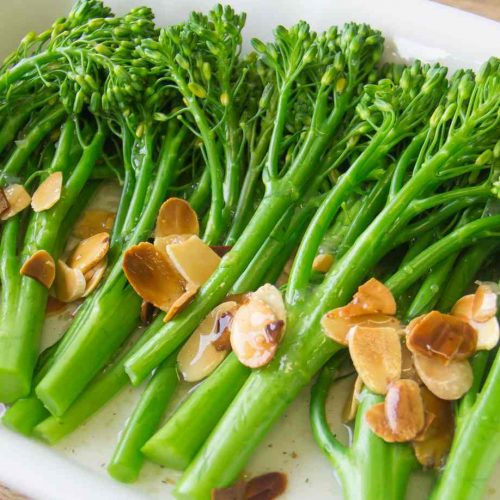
(199, 356)
(152, 276)
(377, 421)
(194, 260)
(488, 332)
(161, 242)
(4, 203)
(69, 283)
(442, 336)
(433, 443)
(404, 409)
(17, 198)
(375, 298)
(322, 262)
(54, 306)
(89, 252)
(352, 402)
(484, 306)
(449, 382)
(92, 222)
(376, 355)
(48, 192)
(94, 276)
(176, 217)
(41, 267)
(180, 303)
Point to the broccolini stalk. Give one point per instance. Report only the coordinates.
(454, 146)
(296, 56)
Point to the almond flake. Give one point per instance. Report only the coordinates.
(94, 276)
(488, 332)
(17, 198)
(408, 370)
(322, 262)
(69, 283)
(375, 298)
(273, 298)
(442, 336)
(377, 421)
(199, 357)
(352, 402)
(450, 381)
(48, 192)
(92, 222)
(41, 267)
(180, 303)
(4, 203)
(152, 276)
(161, 242)
(376, 355)
(176, 217)
(194, 260)
(404, 410)
(89, 252)
(484, 306)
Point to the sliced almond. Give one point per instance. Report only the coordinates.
(488, 332)
(408, 370)
(375, 298)
(17, 198)
(180, 303)
(199, 357)
(4, 203)
(377, 421)
(69, 283)
(152, 276)
(94, 276)
(41, 267)
(273, 298)
(433, 444)
(89, 252)
(176, 217)
(54, 306)
(484, 306)
(48, 192)
(92, 222)
(161, 242)
(376, 355)
(404, 409)
(352, 402)
(194, 260)
(450, 381)
(322, 262)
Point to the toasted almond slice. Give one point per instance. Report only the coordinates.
(375, 298)
(54, 306)
(94, 276)
(69, 283)
(488, 332)
(48, 192)
(180, 303)
(194, 260)
(88, 253)
(152, 276)
(377, 421)
(92, 222)
(41, 267)
(176, 217)
(484, 306)
(404, 409)
(442, 336)
(449, 382)
(199, 356)
(352, 402)
(161, 242)
(17, 198)
(255, 333)
(408, 370)
(4, 202)
(376, 355)
(323, 262)
(273, 298)
(433, 444)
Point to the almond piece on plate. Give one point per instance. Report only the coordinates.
(92, 222)
(450, 381)
(352, 402)
(484, 306)
(89, 252)
(180, 303)
(442, 336)
(408, 370)
(4, 203)
(41, 267)
(488, 332)
(152, 276)
(376, 355)
(17, 198)
(375, 298)
(48, 192)
(199, 357)
(377, 421)
(404, 409)
(69, 283)
(322, 262)
(94, 276)
(176, 217)
(194, 260)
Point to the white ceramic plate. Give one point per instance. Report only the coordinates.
(75, 469)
